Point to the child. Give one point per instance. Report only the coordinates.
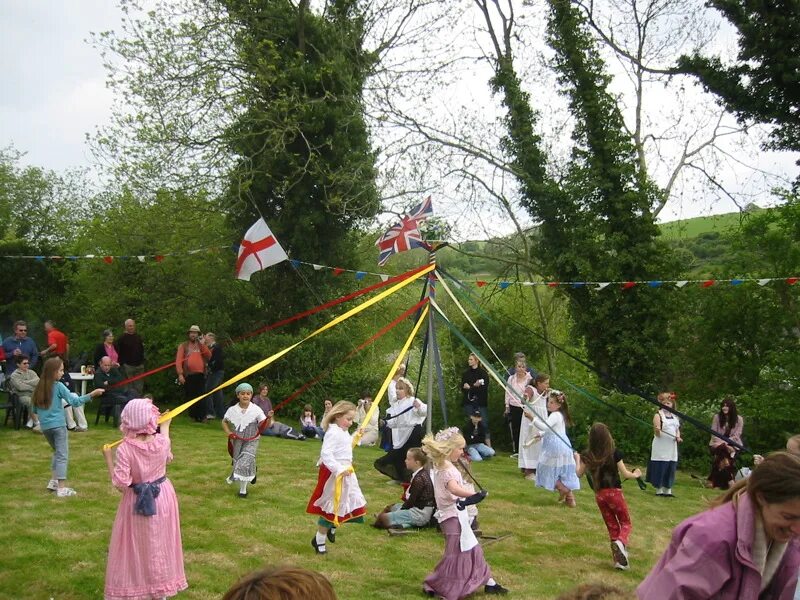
(476, 437)
(535, 405)
(336, 464)
(308, 423)
(47, 404)
(145, 556)
(371, 433)
(282, 583)
(463, 569)
(604, 463)
(556, 469)
(419, 502)
(247, 419)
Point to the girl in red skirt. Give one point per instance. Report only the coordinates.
(336, 503)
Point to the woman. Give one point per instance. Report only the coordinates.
(664, 450)
(747, 546)
(723, 462)
(475, 386)
(404, 417)
(23, 382)
(517, 383)
(106, 348)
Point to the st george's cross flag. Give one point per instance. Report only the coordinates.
(405, 235)
(259, 249)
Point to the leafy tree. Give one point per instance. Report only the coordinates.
(763, 84)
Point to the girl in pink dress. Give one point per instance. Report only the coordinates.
(145, 556)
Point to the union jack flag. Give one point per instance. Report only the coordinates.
(405, 235)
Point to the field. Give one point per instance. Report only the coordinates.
(56, 548)
(691, 228)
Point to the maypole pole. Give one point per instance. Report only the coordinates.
(432, 352)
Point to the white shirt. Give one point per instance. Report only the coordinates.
(403, 425)
(337, 450)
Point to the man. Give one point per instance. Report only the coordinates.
(18, 344)
(190, 363)
(57, 343)
(114, 398)
(215, 403)
(130, 350)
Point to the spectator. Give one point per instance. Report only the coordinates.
(475, 386)
(370, 436)
(130, 350)
(275, 428)
(723, 464)
(22, 383)
(282, 583)
(109, 377)
(190, 363)
(475, 435)
(19, 344)
(106, 348)
(215, 403)
(57, 342)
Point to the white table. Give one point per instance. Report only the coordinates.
(76, 414)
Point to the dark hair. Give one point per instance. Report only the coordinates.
(600, 451)
(775, 481)
(282, 583)
(541, 378)
(20, 357)
(43, 394)
(563, 407)
(728, 422)
(19, 323)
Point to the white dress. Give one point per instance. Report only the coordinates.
(337, 456)
(403, 425)
(665, 447)
(529, 446)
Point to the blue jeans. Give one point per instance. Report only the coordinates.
(215, 403)
(57, 438)
(478, 452)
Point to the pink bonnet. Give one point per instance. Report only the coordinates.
(140, 415)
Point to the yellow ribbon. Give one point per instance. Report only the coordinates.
(337, 494)
(385, 385)
(269, 360)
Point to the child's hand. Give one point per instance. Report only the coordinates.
(231, 436)
(637, 473)
(97, 392)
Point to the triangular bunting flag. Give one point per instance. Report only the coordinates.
(680, 284)
(480, 283)
(628, 285)
(360, 275)
(654, 284)
(141, 258)
(603, 285)
(552, 284)
(503, 284)
(338, 271)
(792, 280)
(159, 257)
(764, 281)
(295, 263)
(108, 259)
(384, 277)
(708, 283)
(736, 281)
(318, 267)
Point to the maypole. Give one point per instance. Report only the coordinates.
(433, 350)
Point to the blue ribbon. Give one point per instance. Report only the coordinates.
(146, 494)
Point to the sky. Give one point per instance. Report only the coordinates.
(54, 91)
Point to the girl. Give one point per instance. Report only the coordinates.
(145, 556)
(404, 418)
(604, 463)
(463, 569)
(664, 451)
(47, 403)
(418, 504)
(529, 436)
(723, 465)
(308, 423)
(556, 468)
(247, 419)
(334, 503)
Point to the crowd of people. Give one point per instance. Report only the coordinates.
(752, 533)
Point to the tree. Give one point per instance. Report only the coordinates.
(763, 84)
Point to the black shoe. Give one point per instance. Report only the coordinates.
(316, 546)
(254, 479)
(242, 494)
(495, 589)
(331, 535)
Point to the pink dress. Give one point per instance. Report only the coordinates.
(145, 556)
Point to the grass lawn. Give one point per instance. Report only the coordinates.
(691, 228)
(55, 548)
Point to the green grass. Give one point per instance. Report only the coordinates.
(56, 548)
(691, 228)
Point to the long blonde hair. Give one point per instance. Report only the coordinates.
(340, 408)
(43, 394)
(438, 447)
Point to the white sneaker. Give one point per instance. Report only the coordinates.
(531, 476)
(620, 554)
(29, 424)
(64, 492)
(52, 485)
(229, 479)
(37, 428)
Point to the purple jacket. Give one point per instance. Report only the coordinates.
(710, 557)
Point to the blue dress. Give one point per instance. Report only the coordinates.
(556, 461)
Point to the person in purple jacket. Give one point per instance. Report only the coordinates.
(746, 546)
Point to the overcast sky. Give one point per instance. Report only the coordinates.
(54, 93)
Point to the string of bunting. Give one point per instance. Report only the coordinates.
(359, 275)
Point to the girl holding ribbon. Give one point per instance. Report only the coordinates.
(337, 497)
(463, 569)
(145, 555)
